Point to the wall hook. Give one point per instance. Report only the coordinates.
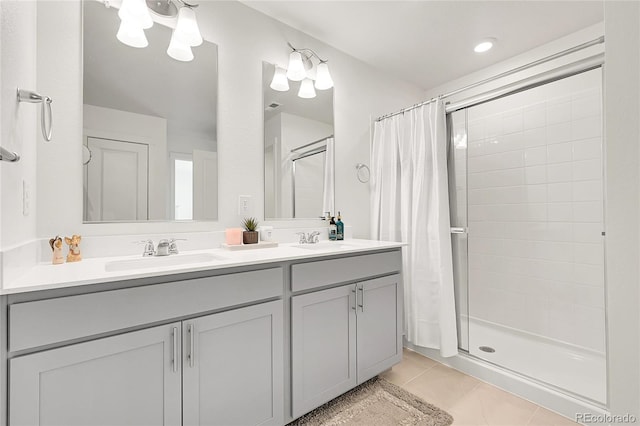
(35, 98)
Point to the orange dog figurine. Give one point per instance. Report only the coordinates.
(74, 254)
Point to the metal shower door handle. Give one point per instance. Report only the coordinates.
(458, 230)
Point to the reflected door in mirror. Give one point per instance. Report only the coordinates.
(116, 181)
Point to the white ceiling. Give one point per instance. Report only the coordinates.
(431, 42)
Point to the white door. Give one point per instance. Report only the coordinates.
(323, 347)
(117, 180)
(205, 185)
(129, 379)
(233, 367)
(379, 327)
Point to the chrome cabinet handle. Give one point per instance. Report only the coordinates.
(361, 305)
(175, 349)
(458, 230)
(191, 345)
(355, 298)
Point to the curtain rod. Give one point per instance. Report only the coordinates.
(311, 143)
(574, 49)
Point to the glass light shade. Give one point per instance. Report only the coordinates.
(187, 27)
(131, 35)
(323, 77)
(135, 12)
(306, 89)
(280, 82)
(295, 70)
(178, 49)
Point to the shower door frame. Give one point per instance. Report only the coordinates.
(556, 74)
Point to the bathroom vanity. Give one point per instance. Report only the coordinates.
(237, 339)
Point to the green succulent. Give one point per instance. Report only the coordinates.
(250, 223)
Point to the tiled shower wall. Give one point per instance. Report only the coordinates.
(535, 211)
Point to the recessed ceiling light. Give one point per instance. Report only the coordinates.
(484, 45)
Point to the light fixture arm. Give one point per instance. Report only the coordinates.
(190, 5)
(308, 52)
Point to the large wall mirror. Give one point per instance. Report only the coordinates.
(149, 126)
(298, 152)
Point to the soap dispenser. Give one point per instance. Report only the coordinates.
(333, 230)
(339, 228)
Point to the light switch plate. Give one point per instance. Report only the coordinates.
(245, 205)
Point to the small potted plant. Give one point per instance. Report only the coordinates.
(250, 235)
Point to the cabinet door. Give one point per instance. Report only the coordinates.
(233, 367)
(379, 325)
(130, 379)
(323, 351)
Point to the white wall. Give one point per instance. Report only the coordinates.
(17, 120)
(622, 213)
(245, 38)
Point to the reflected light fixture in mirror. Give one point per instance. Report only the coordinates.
(301, 68)
(135, 18)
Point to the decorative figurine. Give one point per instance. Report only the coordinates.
(74, 254)
(56, 246)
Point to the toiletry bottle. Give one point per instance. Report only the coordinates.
(333, 230)
(339, 228)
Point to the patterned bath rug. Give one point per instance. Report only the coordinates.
(376, 403)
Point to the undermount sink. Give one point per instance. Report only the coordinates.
(160, 261)
(325, 245)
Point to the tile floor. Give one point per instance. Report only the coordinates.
(470, 401)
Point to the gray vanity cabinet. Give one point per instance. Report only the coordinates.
(344, 335)
(221, 368)
(129, 379)
(379, 330)
(232, 367)
(323, 346)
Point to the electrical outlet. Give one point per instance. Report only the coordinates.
(245, 206)
(26, 198)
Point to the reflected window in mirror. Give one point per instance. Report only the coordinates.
(298, 151)
(149, 122)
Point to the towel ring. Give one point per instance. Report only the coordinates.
(362, 172)
(46, 114)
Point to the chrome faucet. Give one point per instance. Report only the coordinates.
(312, 237)
(173, 246)
(163, 248)
(303, 238)
(149, 250)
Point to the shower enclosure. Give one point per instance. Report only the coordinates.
(526, 195)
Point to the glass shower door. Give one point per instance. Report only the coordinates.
(531, 280)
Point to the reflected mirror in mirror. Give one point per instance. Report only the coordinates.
(149, 126)
(298, 151)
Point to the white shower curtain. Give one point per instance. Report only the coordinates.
(410, 203)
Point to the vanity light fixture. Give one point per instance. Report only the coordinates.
(135, 17)
(302, 69)
(485, 45)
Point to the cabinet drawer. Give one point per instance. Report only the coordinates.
(305, 276)
(43, 322)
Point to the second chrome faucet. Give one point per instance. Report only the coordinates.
(165, 247)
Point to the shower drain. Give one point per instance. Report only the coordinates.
(488, 349)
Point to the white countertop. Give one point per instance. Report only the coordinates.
(45, 276)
